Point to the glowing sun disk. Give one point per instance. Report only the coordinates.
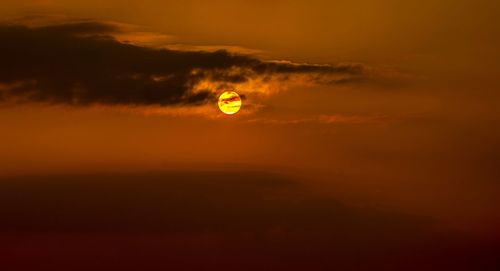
(229, 102)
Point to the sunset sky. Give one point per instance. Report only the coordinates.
(354, 112)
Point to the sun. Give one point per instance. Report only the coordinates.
(229, 102)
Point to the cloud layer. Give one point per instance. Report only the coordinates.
(81, 63)
(207, 220)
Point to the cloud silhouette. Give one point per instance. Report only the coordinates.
(81, 63)
(193, 220)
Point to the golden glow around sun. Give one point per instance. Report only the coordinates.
(229, 102)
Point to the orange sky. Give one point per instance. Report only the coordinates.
(421, 135)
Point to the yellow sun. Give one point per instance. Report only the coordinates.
(229, 102)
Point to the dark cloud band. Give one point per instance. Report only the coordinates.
(81, 63)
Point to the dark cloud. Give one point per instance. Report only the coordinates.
(213, 221)
(81, 63)
(179, 202)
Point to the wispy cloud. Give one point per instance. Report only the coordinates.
(95, 63)
(325, 119)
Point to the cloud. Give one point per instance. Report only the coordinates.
(84, 63)
(182, 201)
(326, 119)
(259, 220)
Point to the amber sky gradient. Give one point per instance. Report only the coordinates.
(415, 132)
